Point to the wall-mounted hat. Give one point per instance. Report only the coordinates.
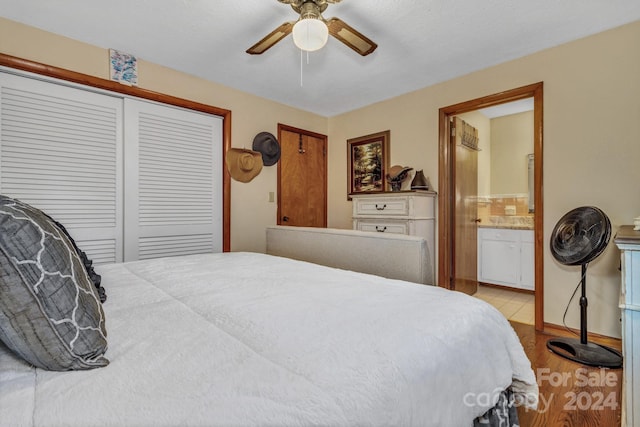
(268, 146)
(243, 165)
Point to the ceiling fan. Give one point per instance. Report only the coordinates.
(310, 31)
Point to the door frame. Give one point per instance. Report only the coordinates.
(283, 127)
(446, 179)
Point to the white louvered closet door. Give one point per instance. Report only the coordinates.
(173, 176)
(61, 151)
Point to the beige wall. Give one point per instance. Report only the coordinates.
(591, 90)
(511, 142)
(251, 211)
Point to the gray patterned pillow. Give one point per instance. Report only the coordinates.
(50, 311)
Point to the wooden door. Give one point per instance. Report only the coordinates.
(302, 178)
(465, 215)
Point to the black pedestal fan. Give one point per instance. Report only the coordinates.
(577, 239)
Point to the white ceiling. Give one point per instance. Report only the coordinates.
(420, 42)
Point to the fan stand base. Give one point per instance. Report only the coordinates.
(586, 353)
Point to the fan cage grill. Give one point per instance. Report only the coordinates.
(580, 236)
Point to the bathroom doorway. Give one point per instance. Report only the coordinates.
(514, 209)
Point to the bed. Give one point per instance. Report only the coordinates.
(235, 339)
(246, 339)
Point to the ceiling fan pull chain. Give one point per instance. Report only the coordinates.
(302, 64)
(300, 67)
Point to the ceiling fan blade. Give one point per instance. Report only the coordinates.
(352, 38)
(270, 39)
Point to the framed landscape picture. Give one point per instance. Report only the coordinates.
(368, 162)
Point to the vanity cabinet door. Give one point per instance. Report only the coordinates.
(527, 261)
(499, 262)
(506, 257)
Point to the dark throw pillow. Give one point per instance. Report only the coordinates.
(50, 311)
(96, 279)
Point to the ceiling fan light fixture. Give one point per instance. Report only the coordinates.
(311, 30)
(310, 34)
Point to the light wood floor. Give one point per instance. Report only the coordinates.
(571, 395)
(515, 306)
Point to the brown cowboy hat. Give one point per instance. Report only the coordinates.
(243, 165)
(397, 172)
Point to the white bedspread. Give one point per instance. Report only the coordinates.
(246, 339)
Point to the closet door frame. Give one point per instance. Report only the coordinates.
(108, 85)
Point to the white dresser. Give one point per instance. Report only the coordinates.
(401, 212)
(628, 241)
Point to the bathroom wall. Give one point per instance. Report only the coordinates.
(511, 142)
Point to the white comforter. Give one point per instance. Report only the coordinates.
(246, 339)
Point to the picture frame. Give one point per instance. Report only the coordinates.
(368, 163)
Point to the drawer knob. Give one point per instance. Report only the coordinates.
(378, 208)
(381, 229)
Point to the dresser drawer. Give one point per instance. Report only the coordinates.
(381, 206)
(395, 227)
